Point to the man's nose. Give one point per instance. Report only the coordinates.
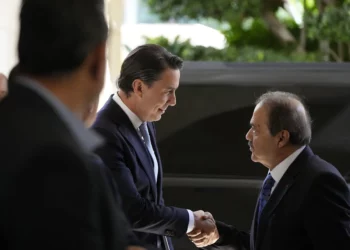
(172, 100)
(248, 135)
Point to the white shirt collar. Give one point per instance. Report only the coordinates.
(278, 171)
(135, 120)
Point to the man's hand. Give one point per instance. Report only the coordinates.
(205, 232)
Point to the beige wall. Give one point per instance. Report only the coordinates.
(9, 10)
(114, 14)
(115, 20)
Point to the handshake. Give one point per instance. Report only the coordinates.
(205, 232)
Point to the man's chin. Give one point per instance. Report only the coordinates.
(157, 117)
(253, 157)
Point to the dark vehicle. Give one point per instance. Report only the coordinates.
(202, 142)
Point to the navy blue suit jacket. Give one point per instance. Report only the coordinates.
(107, 175)
(132, 167)
(308, 210)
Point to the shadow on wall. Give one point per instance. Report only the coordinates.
(216, 146)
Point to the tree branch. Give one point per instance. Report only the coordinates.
(277, 28)
(334, 55)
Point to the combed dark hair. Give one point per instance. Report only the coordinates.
(283, 116)
(56, 36)
(147, 63)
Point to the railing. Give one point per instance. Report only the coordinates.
(207, 182)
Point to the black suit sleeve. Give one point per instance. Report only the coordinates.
(327, 217)
(62, 202)
(143, 214)
(230, 238)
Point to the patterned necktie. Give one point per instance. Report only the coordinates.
(265, 193)
(147, 140)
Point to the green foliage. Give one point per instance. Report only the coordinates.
(245, 26)
(251, 32)
(223, 10)
(251, 36)
(177, 47)
(229, 54)
(332, 25)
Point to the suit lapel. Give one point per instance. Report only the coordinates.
(156, 152)
(281, 189)
(276, 197)
(130, 134)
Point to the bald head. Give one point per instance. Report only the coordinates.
(3, 86)
(286, 111)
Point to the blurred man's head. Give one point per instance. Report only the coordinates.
(64, 41)
(280, 124)
(3, 86)
(148, 79)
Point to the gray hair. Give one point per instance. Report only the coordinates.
(283, 115)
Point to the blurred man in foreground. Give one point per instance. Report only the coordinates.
(52, 196)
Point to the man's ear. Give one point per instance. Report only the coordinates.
(98, 62)
(283, 138)
(138, 87)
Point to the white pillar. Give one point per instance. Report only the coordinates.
(9, 23)
(115, 20)
(114, 14)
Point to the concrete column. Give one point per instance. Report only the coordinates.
(114, 14)
(9, 15)
(115, 19)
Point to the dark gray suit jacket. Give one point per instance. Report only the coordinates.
(52, 195)
(308, 210)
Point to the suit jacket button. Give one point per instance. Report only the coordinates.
(169, 233)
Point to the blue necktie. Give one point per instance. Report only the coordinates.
(147, 140)
(265, 193)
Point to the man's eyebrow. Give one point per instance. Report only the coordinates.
(253, 125)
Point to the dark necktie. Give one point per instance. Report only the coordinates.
(147, 140)
(265, 193)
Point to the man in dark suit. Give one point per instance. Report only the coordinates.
(133, 242)
(148, 80)
(304, 202)
(52, 195)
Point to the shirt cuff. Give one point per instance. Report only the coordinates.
(190, 221)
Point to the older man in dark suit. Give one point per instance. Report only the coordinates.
(304, 202)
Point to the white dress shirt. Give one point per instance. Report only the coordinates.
(136, 122)
(278, 171)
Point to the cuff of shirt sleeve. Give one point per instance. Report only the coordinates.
(190, 221)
